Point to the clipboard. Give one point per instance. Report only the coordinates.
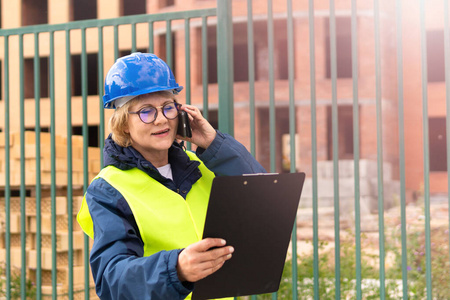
(255, 214)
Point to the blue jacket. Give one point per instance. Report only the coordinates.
(119, 269)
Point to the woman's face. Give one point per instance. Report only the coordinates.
(152, 140)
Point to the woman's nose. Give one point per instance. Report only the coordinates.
(160, 118)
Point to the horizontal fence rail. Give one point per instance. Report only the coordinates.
(306, 87)
(110, 22)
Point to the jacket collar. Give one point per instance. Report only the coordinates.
(126, 158)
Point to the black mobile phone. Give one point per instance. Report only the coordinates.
(184, 128)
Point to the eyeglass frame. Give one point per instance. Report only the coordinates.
(138, 112)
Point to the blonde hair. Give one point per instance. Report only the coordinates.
(118, 122)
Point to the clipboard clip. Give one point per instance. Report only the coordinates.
(256, 174)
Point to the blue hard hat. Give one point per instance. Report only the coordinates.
(137, 74)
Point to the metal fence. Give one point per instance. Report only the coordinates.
(17, 196)
(36, 185)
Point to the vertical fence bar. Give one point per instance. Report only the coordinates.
(426, 157)
(251, 75)
(205, 66)
(312, 66)
(116, 42)
(225, 66)
(272, 109)
(379, 149)
(53, 162)
(23, 272)
(447, 94)
(401, 131)
(101, 134)
(84, 88)
(169, 58)
(69, 161)
(354, 24)
(37, 94)
(151, 46)
(335, 135)
(7, 177)
(292, 134)
(133, 37)
(187, 47)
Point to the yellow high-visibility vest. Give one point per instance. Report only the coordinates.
(166, 221)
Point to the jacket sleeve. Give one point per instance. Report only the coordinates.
(226, 156)
(119, 269)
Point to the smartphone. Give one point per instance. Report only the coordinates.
(184, 128)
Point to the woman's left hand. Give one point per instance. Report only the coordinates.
(202, 132)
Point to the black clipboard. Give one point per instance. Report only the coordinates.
(255, 214)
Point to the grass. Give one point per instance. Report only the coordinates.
(370, 287)
(15, 282)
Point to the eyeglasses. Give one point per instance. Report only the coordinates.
(148, 114)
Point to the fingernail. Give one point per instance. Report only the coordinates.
(223, 242)
(228, 256)
(231, 249)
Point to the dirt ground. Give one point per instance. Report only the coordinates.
(415, 223)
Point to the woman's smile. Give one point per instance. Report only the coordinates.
(161, 133)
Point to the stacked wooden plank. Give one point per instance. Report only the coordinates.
(58, 165)
(40, 212)
(61, 242)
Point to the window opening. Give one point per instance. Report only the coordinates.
(93, 134)
(83, 10)
(263, 140)
(92, 74)
(281, 50)
(343, 48)
(213, 118)
(29, 77)
(438, 144)
(43, 129)
(212, 63)
(166, 3)
(262, 50)
(34, 12)
(345, 132)
(240, 55)
(163, 51)
(132, 7)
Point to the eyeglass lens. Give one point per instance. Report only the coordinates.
(149, 114)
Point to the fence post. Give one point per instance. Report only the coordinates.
(225, 66)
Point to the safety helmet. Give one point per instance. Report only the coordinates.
(137, 74)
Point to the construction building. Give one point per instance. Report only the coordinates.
(377, 37)
(26, 12)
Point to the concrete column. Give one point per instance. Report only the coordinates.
(58, 11)
(11, 14)
(108, 9)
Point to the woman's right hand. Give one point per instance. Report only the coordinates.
(198, 260)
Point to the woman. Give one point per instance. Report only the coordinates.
(146, 209)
